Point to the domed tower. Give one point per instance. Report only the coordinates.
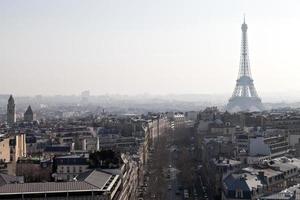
(11, 111)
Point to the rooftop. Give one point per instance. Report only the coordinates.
(226, 162)
(94, 180)
(287, 194)
(48, 187)
(28, 111)
(244, 181)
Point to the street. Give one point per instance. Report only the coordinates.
(176, 171)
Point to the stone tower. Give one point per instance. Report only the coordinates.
(28, 115)
(11, 111)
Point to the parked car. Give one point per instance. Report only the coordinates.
(186, 194)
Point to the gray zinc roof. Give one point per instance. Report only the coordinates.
(94, 177)
(49, 187)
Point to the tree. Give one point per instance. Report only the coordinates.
(104, 159)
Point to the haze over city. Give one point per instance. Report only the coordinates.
(154, 47)
(149, 100)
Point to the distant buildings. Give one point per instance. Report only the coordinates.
(85, 96)
(177, 119)
(11, 112)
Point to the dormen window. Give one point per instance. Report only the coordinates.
(239, 194)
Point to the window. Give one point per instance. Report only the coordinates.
(239, 194)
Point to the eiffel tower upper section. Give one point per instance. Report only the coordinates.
(244, 96)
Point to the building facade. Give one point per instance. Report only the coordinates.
(12, 147)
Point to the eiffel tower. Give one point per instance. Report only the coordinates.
(244, 97)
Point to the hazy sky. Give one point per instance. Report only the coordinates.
(146, 46)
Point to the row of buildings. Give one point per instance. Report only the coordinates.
(250, 155)
(80, 157)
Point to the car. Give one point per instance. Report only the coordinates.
(177, 192)
(186, 194)
(195, 193)
(169, 187)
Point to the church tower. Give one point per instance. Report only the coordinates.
(11, 111)
(28, 115)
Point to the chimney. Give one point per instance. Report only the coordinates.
(98, 144)
(84, 144)
(261, 174)
(72, 147)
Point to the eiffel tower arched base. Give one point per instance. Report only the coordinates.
(251, 104)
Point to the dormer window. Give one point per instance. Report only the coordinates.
(239, 194)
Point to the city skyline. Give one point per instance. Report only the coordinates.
(149, 100)
(139, 47)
